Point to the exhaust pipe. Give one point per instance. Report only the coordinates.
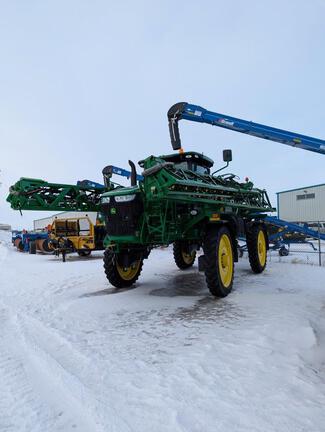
(107, 175)
(174, 114)
(133, 173)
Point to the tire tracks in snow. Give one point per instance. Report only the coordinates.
(34, 395)
(20, 405)
(52, 386)
(78, 380)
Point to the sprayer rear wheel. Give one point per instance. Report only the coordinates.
(183, 259)
(256, 239)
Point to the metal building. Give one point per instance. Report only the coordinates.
(5, 227)
(44, 222)
(303, 204)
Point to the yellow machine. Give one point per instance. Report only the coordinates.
(76, 234)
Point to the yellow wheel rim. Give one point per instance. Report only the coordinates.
(261, 247)
(128, 273)
(225, 260)
(188, 258)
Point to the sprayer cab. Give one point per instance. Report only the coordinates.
(191, 161)
(195, 162)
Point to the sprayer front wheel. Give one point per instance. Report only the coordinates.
(183, 259)
(219, 261)
(119, 276)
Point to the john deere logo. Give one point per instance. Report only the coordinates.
(113, 210)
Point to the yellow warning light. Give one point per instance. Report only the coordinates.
(215, 217)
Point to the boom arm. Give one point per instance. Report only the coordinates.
(186, 111)
(34, 194)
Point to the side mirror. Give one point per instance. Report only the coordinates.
(227, 155)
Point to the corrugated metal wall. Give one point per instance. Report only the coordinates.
(5, 227)
(44, 222)
(302, 205)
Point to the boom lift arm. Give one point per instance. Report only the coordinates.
(186, 111)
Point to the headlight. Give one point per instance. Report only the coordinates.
(106, 200)
(124, 198)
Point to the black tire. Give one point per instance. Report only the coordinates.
(257, 247)
(182, 259)
(47, 246)
(32, 247)
(84, 253)
(214, 252)
(20, 246)
(283, 251)
(114, 272)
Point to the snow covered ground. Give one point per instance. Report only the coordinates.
(76, 354)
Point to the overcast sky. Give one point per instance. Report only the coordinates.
(84, 84)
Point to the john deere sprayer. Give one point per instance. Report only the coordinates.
(182, 201)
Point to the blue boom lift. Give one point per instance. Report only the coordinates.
(186, 111)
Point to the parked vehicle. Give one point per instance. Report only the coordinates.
(76, 234)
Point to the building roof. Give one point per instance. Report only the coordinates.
(61, 213)
(301, 188)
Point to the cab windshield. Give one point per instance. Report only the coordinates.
(192, 166)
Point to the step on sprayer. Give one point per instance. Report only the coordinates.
(177, 200)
